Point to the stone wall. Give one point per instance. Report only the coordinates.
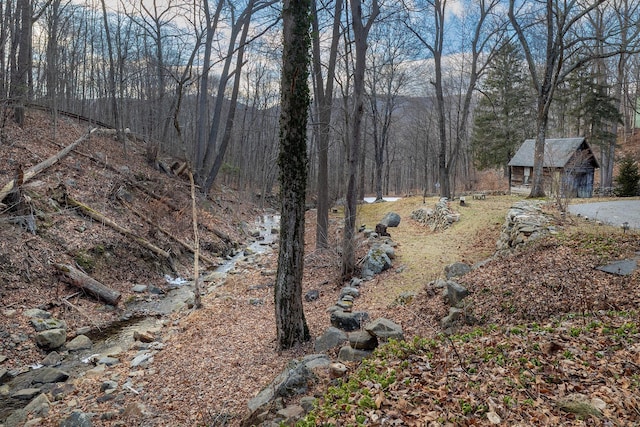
(524, 221)
(439, 218)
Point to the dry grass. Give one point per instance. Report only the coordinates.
(421, 253)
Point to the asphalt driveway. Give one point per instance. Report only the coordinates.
(613, 213)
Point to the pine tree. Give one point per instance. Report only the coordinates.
(628, 180)
(503, 115)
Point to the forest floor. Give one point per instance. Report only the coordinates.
(559, 342)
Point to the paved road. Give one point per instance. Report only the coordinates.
(614, 213)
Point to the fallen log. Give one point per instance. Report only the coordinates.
(166, 232)
(63, 197)
(75, 277)
(34, 170)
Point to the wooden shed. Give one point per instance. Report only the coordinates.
(569, 166)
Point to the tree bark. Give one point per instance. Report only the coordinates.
(77, 278)
(291, 325)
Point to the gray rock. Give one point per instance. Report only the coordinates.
(16, 419)
(26, 393)
(108, 361)
(291, 413)
(349, 354)
(312, 295)
(405, 298)
(39, 406)
(256, 301)
(40, 324)
(456, 269)
(454, 293)
(315, 361)
(292, 381)
(77, 419)
(348, 290)
(52, 359)
(332, 338)
(37, 313)
(5, 376)
(81, 342)
(454, 318)
(389, 250)
(362, 340)
(345, 305)
(108, 385)
(139, 289)
(51, 338)
(391, 219)
(347, 298)
(308, 403)
(348, 321)
(355, 282)
(49, 375)
(376, 261)
(385, 329)
(141, 359)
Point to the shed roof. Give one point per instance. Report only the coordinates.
(557, 152)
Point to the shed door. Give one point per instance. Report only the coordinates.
(584, 184)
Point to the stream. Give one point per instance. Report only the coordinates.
(146, 315)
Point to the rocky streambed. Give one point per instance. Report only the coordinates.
(25, 392)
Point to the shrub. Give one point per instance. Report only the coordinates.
(628, 180)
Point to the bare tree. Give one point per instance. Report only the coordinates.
(556, 25)
(294, 91)
(323, 89)
(360, 33)
(484, 36)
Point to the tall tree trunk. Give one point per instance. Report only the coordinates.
(324, 102)
(291, 325)
(360, 34)
(113, 92)
(21, 66)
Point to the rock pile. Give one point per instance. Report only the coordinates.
(439, 218)
(453, 295)
(524, 221)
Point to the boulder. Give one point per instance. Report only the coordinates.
(456, 269)
(77, 419)
(312, 295)
(51, 339)
(40, 324)
(348, 321)
(375, 262)
(48, 375)
(454, 293)
(348, 290)
(350, 354)
(292, 381)
(391, 219)
(362, 340)
(385, 329)
(81, 342)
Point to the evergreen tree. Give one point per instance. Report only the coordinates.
(593, 109)
(628, 180)
(503, 115)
